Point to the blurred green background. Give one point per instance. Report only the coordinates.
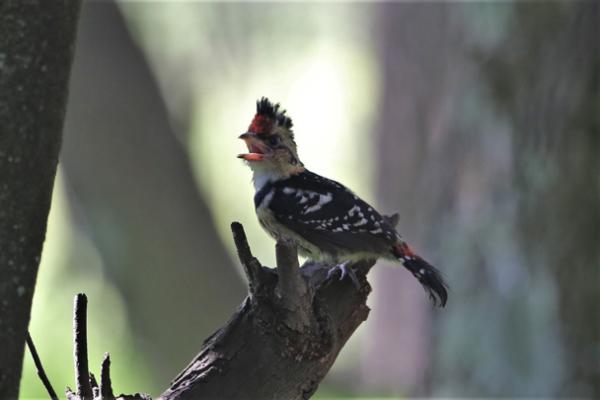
(478, 122)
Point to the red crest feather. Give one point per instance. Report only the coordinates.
(267, 115)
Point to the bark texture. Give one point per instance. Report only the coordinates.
(36, 48)
(284, 337)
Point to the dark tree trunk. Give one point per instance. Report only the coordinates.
(36, 48)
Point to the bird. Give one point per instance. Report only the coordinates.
(325, 220)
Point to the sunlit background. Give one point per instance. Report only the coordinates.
(477, 122)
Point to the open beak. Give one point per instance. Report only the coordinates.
(257, 149)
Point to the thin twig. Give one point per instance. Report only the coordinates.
(252, 267)
(82, 372)
(106, 391)
(40, 369)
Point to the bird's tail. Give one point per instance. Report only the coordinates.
(427, 274)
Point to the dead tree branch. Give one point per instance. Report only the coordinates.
(87, 386)
(285, 336)
(279, 344)
(106, 391)
(40, 369)
(82, 372)
(292, 289)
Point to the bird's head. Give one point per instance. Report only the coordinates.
(270, 141)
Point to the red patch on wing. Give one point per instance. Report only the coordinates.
(404, 250)
(261, 125)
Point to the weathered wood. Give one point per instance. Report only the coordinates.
(106, 391)
(82, 371)
(292, 289)
(279, 344)
(284, 338)
(87, 385)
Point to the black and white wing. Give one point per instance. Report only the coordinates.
(328, 215)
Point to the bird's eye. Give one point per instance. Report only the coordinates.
(273, 140)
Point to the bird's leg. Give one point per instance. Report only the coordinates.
(345, 270)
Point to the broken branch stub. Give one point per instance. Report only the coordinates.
(285, 336)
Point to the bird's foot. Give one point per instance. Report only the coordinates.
(345, 270)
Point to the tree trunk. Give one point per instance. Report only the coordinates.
(36, 49)
(546, 78)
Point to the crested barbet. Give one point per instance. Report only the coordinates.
(324, 219)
